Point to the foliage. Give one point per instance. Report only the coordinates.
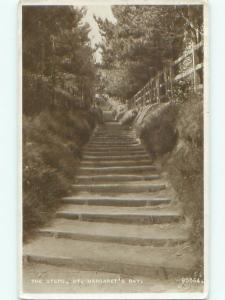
(157, 129)
(56, 43)
(173, 135)
(58, 85)
(52, 142)
(128, 117)
(185, 167)
(142, 40)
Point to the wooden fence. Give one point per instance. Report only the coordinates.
(161, 88)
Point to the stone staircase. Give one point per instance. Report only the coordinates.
(122, 218)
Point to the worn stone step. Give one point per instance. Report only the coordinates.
(118, 163)
(105, 138)
(116, 136)
(117, 132)
(112, 138)
(125, 157)
(107, 147)
(118, 145)
(116, 170)
(113, 152)
(111, 124)
(108, 135)
(117, 141)
(104, 147)
(155, 235)
(121, 215)
(134, 145)
(115, 178)
(156, 262)
(133, 200)
(124, 187)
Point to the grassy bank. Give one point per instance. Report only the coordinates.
(52, 142)
(185, 167)
(173, 135)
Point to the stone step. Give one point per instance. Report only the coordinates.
(110, 134)
(120, 215)
(115, 163)
(112, 138)
(154, 235)
(124, 187)
(156, 262)
(117, 142)
(116, 170)
(115, 132)
(123, 220)
(125, 157)
(115, 148)
(113, 152)
(117, 202)
(105, 138)
(121, 144)
(115, 178)
(134, 200)
(111, 124)
(133, 145)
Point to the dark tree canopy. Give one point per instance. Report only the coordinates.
(142, 40)
(56, 44)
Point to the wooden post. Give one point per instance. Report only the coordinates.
(150, 91)
(165, 78)
(143, 96)
(82, 92)
(193, 66)
(171, 78)
(53, 68)
(157, 88)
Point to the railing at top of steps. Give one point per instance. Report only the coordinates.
(161, 87)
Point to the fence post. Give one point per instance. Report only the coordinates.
(151, 91)
(157, 88)
(193, 66)
(171, 78)
(165, 79)
(154, 89)
(143, 97)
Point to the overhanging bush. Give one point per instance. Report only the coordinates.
(157, 129)
(52, 142)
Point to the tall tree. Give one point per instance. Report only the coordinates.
(142, 40)
(56, 44)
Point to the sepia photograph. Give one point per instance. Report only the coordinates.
(114, 150)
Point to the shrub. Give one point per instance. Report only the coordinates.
(186, 162)
(157, 129)
(128, 117)
(173, 134)
(52, 142)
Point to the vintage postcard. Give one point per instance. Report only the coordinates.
(114, 150)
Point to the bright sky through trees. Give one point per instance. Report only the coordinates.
(103, 12)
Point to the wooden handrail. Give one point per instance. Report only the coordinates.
(169, 77)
